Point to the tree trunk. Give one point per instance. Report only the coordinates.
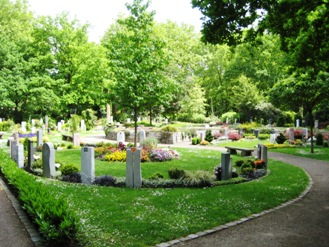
(311, 128)
(151, 115)
(135, 125)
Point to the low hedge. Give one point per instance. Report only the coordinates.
(55, 222)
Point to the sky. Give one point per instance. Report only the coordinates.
(100, 14)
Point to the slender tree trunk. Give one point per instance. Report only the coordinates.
(151, 115)
(135, 124)
(311, 128)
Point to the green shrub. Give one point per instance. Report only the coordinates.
(319, 139)
(72, 177)
(239, 163)
(175, 173)
(156, 176)
(195, 141)
(150, 143)
(37, 164)
(68, 169)
(199, 179)
(105, 181)
(169, 128)
(263, 136)
(247, 168)
(280, 139)
(69, 146)
(209, 137)
(6, 125)
(56, 223)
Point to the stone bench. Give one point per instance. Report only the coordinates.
(244, 151)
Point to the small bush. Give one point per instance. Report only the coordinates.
(195, 141)
(72, 177)
(105, 181)
(149, 143)
(118, 155)
(204, 143)
(69, 146)
(239, 163)
(263, 136)
(209, 137)
(247, 168)
(68, 169)
(176, 173)
(218, 172)
(160, 155)
(156, 176)
(234, 136)
(199, 179)
(280, 139)
(169, 128)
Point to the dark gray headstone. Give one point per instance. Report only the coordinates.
(226, 166)
(48, 160)
(30, 153)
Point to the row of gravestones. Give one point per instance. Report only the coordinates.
(122, 138)
(226, 161)
(133, 165)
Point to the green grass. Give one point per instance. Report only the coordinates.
(243, 143)
(145, 217)
(320, 153)
(191, 160)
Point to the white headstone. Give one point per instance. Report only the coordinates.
(41, 121)
(128, 120)
(305, 133)
(297, 123)
(227, 120)
(63, 122)
(133, 168)
(59, 126)
(111, 119)
(139, 119)
(83, 125)
(202, 135)
(166, 120)
(19, 155)
(48, 160)
(142, 136)
(121, 136)
(316, 124)
(23, 126)
(46, 121)
(39, 138)
(76, 139)
(87, 165)
(272, 138)
(0, 120)
(33, 129)
(33, 122)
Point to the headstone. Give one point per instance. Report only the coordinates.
(235, 121)
(305, 133)
(63, 122)
(111, 119)
(33, 129)
(121, 137)
(264, 155)
(41, 121)
(23, 126)
(297, 123)
(76, 139)
(202, 135)
(59, 126)
(30, 155)
(256, 133)
(20, 155)
(0, 120)
(133, 168)
(83, 125)
(39, 138)
(226, 132)
(87, 165)
(259, 151)
(13, 143)
(272, 138)
(142, 136)
(16, 137)
(291, 135)
(46, 121)
(316, 124)
(166, 120)
(128, 120)
(33, 123)
(48, 160)
(227, 120)
(139, 119)
(226, 166)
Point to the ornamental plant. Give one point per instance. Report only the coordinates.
(118, 155)
(161, 155)
(259, 164)
(234, 136)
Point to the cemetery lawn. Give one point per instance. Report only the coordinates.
(112, 216)
(242, 143)
(320, 153)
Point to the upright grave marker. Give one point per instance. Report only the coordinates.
(19, 155)
(133, 168)
(30, 153)
(13, 143)
(48, 160)
(76, 139)
(226, 166)
(142, 136)
(121, 137)
(87, 165)
(39, 138)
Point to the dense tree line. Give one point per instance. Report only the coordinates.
(144, 68)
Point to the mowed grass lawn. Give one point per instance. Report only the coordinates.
(145, 217)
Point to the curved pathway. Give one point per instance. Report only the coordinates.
(303, 223)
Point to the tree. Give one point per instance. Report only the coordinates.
(302, 27)
(136, 58)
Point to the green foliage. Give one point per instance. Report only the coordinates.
(68, 169)
(56, 223)
(74, 123)
(169, 128)
(209, 137)
(195, 141)
(6, 125)
(319, 139)
(90, 117)
(176, 173)
(280, 139)
(105, 180)
(199, 179)
(149, 143)
(247, 168)
(231, 115)
(263, 136)
(156, 176)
